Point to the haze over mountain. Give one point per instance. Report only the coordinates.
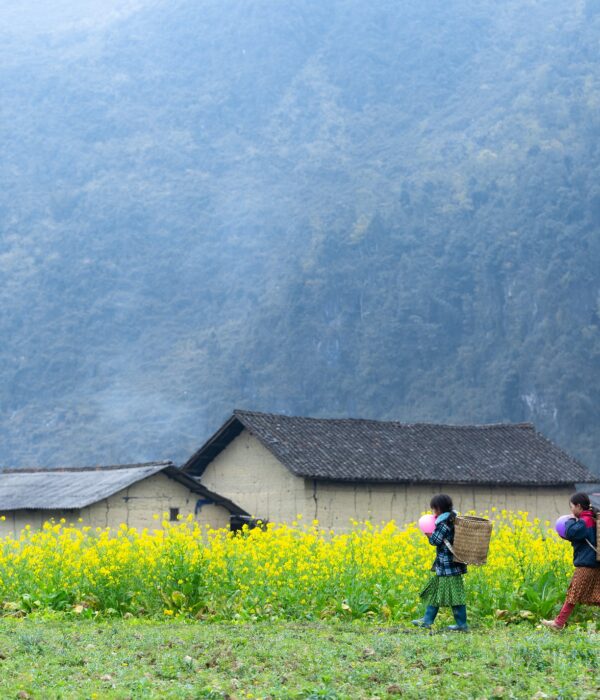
(334, 208)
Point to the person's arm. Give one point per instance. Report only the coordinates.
(575, 530)
(440, 533)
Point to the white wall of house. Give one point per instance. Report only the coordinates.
(135, 506)
(247, 470)
(17, 520)
(249, 475)
(338, 503)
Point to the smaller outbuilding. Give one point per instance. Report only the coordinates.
(106, 496)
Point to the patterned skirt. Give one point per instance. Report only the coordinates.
(584, 587)
(444, 591)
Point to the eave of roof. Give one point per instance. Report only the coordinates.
(195, 486)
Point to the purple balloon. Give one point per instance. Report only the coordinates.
(427, 524)
(561, 525)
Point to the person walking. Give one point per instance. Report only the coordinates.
(446, 588)
(584, 588)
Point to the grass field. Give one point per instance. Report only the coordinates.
(54, 658)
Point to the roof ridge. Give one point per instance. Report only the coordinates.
(457, 426)
(91, 468)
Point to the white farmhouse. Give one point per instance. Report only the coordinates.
(335, 470)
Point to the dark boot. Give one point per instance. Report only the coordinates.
(427, 620)
(460, 617)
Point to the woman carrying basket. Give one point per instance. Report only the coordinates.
(446, 588)
(584, 588)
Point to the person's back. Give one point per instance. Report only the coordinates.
(581, 533)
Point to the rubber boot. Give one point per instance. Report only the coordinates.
(427, 620)
(460, 617)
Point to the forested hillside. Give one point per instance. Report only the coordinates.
(330, 208)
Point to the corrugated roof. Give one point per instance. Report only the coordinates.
(358, 450)
(69, 488)
(77, 487)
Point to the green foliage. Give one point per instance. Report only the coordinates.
(542, 595)
(58, 659)
(387, 210)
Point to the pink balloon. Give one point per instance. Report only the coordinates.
(561, 525)
(427, 523)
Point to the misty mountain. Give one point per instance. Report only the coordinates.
(335, 208)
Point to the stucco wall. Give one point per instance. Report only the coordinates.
(16, 520)
(137, 504)
(337, 504)
(248, 474)
(134, 505)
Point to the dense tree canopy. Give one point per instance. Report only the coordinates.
(335, 208)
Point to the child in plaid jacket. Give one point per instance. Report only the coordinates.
(446, 587)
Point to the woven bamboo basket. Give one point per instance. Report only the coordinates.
(471, 539)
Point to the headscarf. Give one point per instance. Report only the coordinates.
(444, 516)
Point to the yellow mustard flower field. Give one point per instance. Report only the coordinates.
(296, 571)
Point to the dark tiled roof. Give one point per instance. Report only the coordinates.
(77, 487)
(358, 450)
